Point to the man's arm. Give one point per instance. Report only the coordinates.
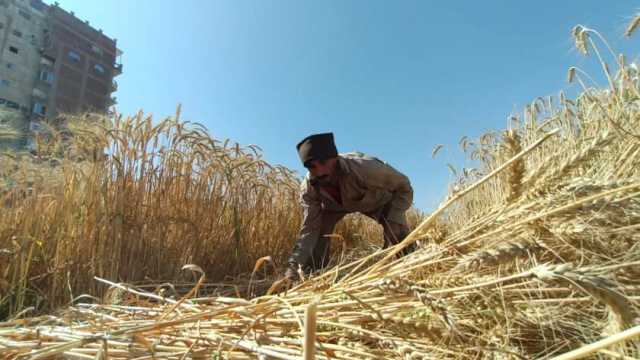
(378, 174)
(310, 229)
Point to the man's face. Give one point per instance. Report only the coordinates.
(322, 171)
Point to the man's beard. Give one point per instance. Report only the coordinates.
(324, 180)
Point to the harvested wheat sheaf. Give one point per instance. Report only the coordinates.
(538, 258)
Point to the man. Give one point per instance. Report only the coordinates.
(338, 184)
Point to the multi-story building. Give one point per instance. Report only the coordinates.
(21, 37)
(51, 62)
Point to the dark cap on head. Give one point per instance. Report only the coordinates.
(317, 147)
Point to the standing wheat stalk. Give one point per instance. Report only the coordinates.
(309, 347)
(414, 235)
(517, 170)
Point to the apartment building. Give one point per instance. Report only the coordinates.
(52, 62)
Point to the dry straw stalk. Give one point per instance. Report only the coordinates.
(496, 275)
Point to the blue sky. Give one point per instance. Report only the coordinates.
(391, 79)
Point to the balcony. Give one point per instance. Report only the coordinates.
(117, 67)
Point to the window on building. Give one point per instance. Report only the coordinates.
(1, 25)
(13, 49)
(97, 50)
(24, 14)
(39, 109)
(10, 66)
(46, 76)
(17, 33)
(74, 56)
(13, 105)
(5, 83)
(35, 125)
(99, 69)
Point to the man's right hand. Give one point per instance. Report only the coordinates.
(284, 284)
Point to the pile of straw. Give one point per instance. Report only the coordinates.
(535, 254)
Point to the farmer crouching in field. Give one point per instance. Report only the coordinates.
(338, 184)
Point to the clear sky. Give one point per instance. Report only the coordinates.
(389, 78)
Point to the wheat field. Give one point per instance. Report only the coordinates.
(130, 200)
(534, 253)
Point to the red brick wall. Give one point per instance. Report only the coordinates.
(79, 85)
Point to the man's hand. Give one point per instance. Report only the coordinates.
(287, 281)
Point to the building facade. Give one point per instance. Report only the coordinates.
(51, 62)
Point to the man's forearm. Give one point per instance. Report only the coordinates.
(302, 251)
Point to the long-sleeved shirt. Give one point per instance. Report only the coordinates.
(366, 185)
